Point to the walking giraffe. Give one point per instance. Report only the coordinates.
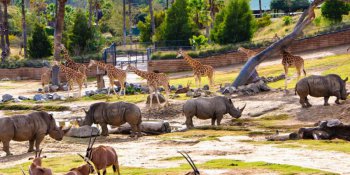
(73, 65)
(154, 80)
(289, 60)
(113, 73)
(72, 76)
(198, 68)
(249, 53)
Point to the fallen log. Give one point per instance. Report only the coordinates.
(83, 132)
(148, 127)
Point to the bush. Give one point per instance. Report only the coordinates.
(145, 27)
(288, 6)
(81, 33)
(234, 23)
(287, 20)
(198, 41)
(39, 45)
(264, 21)
(334, 9)
(15, 63)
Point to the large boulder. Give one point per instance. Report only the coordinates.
(149, 127)
(39, 97)
(83, 131)
(54, 88)
(7, 97)
(154, 100)
(206, 87)
(23, 98)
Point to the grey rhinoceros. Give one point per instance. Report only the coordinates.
(114, 114)
(32, 127)
(321, 86)
(212, 108)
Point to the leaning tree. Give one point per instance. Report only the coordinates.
(305, 19)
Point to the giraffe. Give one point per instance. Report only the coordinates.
(276, 38)
(289, 60)
(249, 53)
(72, 76)
(199, 69)
(154, 80)
(73, 65)
(113, 73)
(45, 78)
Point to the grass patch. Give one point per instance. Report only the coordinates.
(202, 135)
(172, 158)
(276, 117)
(33, 107)
(114, 98)
(73, 161)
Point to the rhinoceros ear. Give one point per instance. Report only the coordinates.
(230, 100)
(346, 79)
(51, 116)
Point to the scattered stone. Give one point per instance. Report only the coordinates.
(206, 87)
(16, 100)
(5, 79)
(229, 90)
(23, 98)
(241, 87)
(7, 97)
(82, 132)
(180, 87)
(56, 97)
(65, 87)
(40, 90)
(189, 94)
(144, 89)
(54, 88)
(46, 89)
(173, 88)
(161, 89)
(49, 96)
(154, 99)
(39, 97)
(273, 79)
(18, 78)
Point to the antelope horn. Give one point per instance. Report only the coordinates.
(189, 162)
(348, 49)
(40, 152)
(84, 110)
(90, 139)
(23, 171)
(196, 170)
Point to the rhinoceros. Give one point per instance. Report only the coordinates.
(321, 86)
(114, 114)
(32, 127)
(212, 108)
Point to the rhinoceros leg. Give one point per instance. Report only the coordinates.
(134, 130)
(104, 129)
(326, 101)
(338, 97)
(213, 121)
(302, 101)
(307, 102)
(38, 140)
(218, 119)
(189, 122)
(31, 145)
(6, 147)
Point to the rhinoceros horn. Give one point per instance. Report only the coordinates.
(241, 110)
(85, 111)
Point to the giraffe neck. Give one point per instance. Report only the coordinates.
(190, 60)
(66, 55)
(141, 73)
(101, 65)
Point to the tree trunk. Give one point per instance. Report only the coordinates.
(153, 25)
(24, 30)
(250, 65)
(130, 22)
(149, 127)
(124, 24)
(59, 28)
(96, 12)
(90, 13)
(212, 13)
(3, 48)
(260, 8)
(6, 27)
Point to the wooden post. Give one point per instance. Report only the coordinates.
(100, 81)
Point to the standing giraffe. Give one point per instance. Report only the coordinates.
(45, 78)
(113, 73)
(199, 69)
(289, 60)
(72, 76)
(73, 65)
(248, 52)
(154, 80)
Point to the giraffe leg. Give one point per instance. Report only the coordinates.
(150, 97)
(200, 81)
(299, 73)
(286, 77)
(196, 79)
(166, 88)
(122, 87)
(157, 97)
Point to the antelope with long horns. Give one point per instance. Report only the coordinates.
(35, 168)
(102, 157)
(85, 169)
(190, 161)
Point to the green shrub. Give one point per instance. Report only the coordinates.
(81, 33)
(39, 45)
(287, 20)
(264, 21)
(198, 41)
(334, 9)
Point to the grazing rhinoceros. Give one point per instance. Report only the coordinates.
(33, 127)
(114, 114)
(206, 108)
(321, 86)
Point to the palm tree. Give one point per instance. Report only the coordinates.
(3, 48)
(59, 27)
(90, 13)
(124, 24)
(6, 27)
(24, 29)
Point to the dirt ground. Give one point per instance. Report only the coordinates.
(149, 151)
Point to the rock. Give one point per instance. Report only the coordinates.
(7, 97)
(39, 97)
(89, 93)
(144, 89)
(18, 78)
(83, 131)
(149, 127)
(56, 97)
(40, 90)
(180, 87)
(229, 90)
(241, 87)
(173, 88)
(54, 88)
(65, 87)
(49, 96)
(264, 87)
(254, 88)
(161, 89)
(23, 98)
(46, 89)
(189, 94)
(16, 100)
(206, 87)
(154, 100)
(5, 79)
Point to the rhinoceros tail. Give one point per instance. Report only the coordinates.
(304, 71)
(295, 89)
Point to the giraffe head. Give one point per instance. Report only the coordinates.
(240, 49)
(180, 53)
(56, 63)
(130, 68)
(92, 63)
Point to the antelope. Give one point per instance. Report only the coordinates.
(102, 157)
(85, 169)
(35, 168)
(185, 89)
(190, 161)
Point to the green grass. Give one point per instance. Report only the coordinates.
(114, 98)
(176, 158)
(11, 106)
(57, 166)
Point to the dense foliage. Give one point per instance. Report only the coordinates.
(145, 27)
(289, 5)
(234, 23)
(80, 34)
(334, 9)
(39, 45)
